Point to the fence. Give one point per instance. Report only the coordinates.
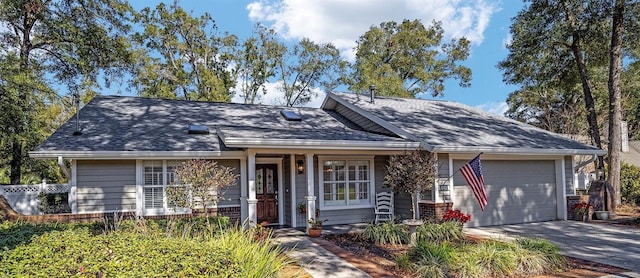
(24, 198)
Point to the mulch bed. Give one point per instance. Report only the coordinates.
(379, 260)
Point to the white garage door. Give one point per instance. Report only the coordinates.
(517, 191)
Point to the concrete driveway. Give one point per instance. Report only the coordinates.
(603, 243)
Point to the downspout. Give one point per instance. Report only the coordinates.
(65, 171)
(582, 164)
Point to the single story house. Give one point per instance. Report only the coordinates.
(331, 158)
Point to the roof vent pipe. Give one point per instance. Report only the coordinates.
(372, 92)
(76, 99)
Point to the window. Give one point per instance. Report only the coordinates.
(157, 175)
(346, 183)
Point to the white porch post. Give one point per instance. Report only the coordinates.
(243, 192)
(73, 183)
(311, 198)
(292, 187)
(252, 201)
(561, 190)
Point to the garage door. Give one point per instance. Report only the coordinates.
(517, 191)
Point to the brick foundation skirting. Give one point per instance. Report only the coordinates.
(232, 212)
(433, 211)
(571, 201)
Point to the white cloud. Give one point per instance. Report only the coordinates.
(507, 40)
(275, 96)
(341, 22)
(495, 107)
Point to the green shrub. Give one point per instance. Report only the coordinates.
(547, 251)
(78, 252)
(386, 233)
(53, 203)
(450, 231)
(524, 257)
(136, 248)
(630, 184)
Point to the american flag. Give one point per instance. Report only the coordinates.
(472, 173)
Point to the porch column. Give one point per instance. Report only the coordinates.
(292, 187)
(252, 201)
(311, 198)
(243, 192)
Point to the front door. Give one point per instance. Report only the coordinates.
(267, 192)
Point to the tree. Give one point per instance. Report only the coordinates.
(411, 173)
(256, 62)
(182, 57)
(554, 41)
(407, 59)
(615, 102)
(70, 42)
(200, 184)
(306, 66)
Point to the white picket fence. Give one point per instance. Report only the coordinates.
(24, 198)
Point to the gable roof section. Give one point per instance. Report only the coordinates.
(133, 126)
(445, 126)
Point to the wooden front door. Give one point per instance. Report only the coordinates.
(267, 192)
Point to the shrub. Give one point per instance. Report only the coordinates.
(524, 257)
(456, 216)
(128, 252)
(438, 232)
(630, 184)
(386, 233)
(52, 203)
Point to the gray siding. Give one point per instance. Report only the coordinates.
(569, 175)
(106, 185)
(361, 121)
(231, 193)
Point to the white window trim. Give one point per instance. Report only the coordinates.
(372, 181)
(165, 210)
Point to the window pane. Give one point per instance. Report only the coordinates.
(153, 172)
(340, 191)
(153, 197)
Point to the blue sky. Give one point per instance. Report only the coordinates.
(485, 22)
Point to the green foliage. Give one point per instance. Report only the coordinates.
(408, 59)
(630, 184)
(308, 65)
(183, 57)
(46, 44)
(412, 172)
(140, 250)
(53, 203)
(201, 184)
(448, 231)
(524, 257)
(386, 233)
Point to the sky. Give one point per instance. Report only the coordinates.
(341, 22)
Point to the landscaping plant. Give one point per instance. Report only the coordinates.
(450, 231)
(386, 233)
(411, 173)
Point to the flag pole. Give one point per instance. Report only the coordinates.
(462, 167)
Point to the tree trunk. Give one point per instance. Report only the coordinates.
(16, 161)
(615, 105)
(6, 212)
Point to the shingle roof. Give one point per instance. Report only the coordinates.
(453, 126)
(119, 123)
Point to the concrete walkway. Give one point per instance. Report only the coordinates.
(608, 244)
(317, 261)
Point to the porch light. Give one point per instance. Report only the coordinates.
(300, 165)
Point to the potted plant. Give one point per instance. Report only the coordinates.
(315, 225)
(302, 208)
(581, 211)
